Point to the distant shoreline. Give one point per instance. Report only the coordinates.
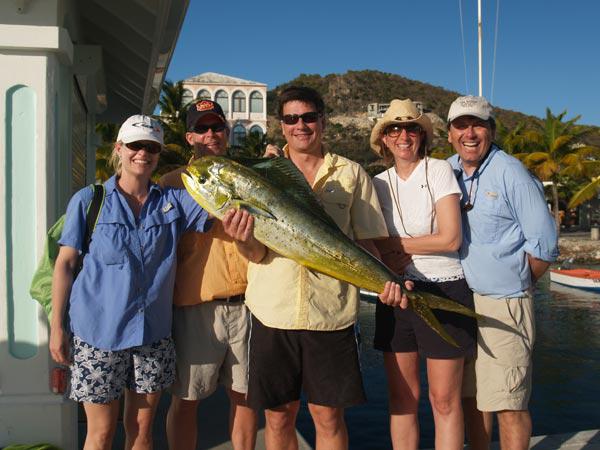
(578, 248)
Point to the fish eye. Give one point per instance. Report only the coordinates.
(202, 180)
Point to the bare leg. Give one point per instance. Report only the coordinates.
(138, 419)
(101, 425)
(280, 429)
(402, 371)
(445, 381)
(331, 432)
(515, 429)
(242, 422)
(478, 425)
(182, 429)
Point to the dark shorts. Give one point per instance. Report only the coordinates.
(324, 364)
(401, 330)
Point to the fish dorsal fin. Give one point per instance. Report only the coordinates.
(283, 173)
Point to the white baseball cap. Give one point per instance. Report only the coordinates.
(141, 128)
(470, 105)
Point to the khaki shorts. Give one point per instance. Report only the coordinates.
(500, 376)
(211, 343)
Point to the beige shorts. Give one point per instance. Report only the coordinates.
(500, 376)
(211, 343)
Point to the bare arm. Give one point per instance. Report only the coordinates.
(392, 294)
(62, 281)
(448, 236)
(239, 224)
(537, 267)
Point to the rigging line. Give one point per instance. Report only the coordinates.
(495, 46)
(462, 37)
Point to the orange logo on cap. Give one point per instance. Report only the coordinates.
(204, 105)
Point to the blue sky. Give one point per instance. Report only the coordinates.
(547, 53)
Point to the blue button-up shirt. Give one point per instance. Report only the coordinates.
(509, 219)
(122, 298)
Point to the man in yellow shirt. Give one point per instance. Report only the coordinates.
(211, 324)
(303, 322)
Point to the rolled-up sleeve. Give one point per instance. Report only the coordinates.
(537, 224)
(367, 218)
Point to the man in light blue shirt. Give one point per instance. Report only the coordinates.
(509, 240)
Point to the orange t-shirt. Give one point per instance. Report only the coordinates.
(209, 265)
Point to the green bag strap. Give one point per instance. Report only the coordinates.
(93, 211)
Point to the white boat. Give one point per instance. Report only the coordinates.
(579, 278)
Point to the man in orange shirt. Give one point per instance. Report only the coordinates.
(211, 323)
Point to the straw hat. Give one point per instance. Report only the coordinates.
(400, 111)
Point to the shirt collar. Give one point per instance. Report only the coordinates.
(111, 184)
(488, 158)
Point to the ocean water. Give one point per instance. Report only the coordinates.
(566, 377)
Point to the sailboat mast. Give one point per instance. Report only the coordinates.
(479, 33)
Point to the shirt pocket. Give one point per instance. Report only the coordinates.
(487, 224)
(162, 230)
(337, 198)
(108, 243)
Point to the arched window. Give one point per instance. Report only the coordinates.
(256, 102)
(239, 101)
(223, 99)
(186, 97)
(238, 134)
(203, 94)
(256, 129)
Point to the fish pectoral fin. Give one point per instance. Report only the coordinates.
(425, 313)
(254, 210)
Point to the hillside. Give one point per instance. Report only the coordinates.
(347, 96)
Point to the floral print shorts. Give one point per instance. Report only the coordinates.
(100, 376)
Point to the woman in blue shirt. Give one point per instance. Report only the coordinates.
(119, 307)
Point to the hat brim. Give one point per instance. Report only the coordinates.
(379, 127)
(140, 137)
(202, 114)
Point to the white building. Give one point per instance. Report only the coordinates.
(65, 64)
(244, 102)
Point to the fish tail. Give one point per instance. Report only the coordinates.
(434, 301)
(425, 313)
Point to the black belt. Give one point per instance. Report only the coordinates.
(232, 299)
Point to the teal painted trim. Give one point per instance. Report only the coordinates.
(20, 220)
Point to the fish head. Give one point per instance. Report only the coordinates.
(208, 182)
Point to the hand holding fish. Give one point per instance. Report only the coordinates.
(239, 224)
(393, 294)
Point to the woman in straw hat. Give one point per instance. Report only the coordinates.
(420, 197)
(117, 339)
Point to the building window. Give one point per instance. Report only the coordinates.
(256, 102)
(239, 102)
(238, 135)
(256, 129)
(186, 97)
(223, 99)
(203, 94)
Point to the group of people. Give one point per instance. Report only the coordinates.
(170, 298)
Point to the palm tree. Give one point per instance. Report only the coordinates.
(559, 151)
(108, 135)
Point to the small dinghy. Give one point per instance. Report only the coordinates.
(579, 278)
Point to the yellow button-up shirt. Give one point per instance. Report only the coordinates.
(283, 294)
(209, 264)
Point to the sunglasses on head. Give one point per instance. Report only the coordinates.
(216, 128)
(150, 147)
(307, 117)
(411, 129)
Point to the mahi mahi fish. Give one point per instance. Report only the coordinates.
(289, 219)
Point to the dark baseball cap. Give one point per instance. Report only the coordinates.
(201, 109)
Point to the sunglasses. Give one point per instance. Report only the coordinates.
(216, 128)
(307, 117)
(150, 147)
(394, 131)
